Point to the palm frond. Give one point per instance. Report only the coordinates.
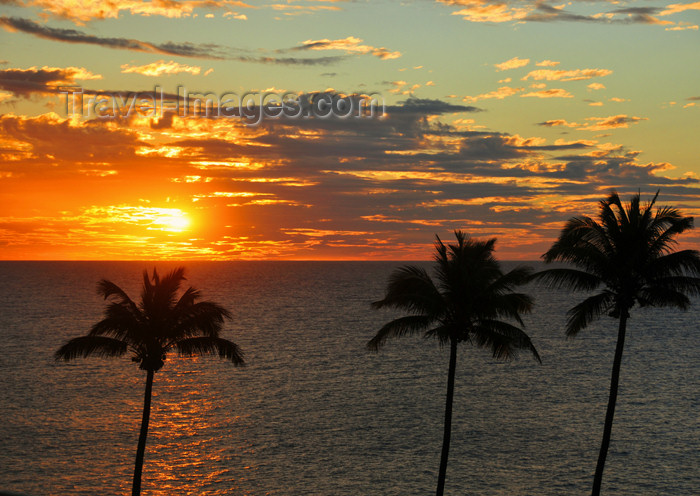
(664, 297)
(85, 346)
(584, 243)
(684, 262)
(122, 321)
(202, 318)
(509, 305)
(108, 289)
(512, 279)
(587, 311)
(685, 284)
(573, 279)
(442, 333)
(402, 326)
(411, 288)
(206, 345)
(504, 339)
(188, 298)
(470, 289)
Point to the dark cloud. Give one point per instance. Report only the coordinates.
(637, 11)
(47, 80)
(430, 107)
(398, 179)
(209, 51)
(51, 138)
(185, 49)
(545, 12)
(291, 60)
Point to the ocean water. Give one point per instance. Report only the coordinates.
(314, 413)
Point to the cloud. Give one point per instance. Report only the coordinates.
(45, 80)
(498, 11)
(563, 75)
(679, 7)
(596, 86)
(682, 26)
(208, 51)
(597, 123)
(80, 11)
(160, 68)
(513, 63)
(556, 122)
(184, 49)
(295, 10)
(236, 15)
(547, 63)
(544, 12)
(392, 182)
(487, 11)
(612, 122)
(551, 93)
(499, 94)
(51, 138)
(351, 45)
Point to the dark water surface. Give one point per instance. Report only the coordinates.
(314, 413)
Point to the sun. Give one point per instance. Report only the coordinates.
(171, 220)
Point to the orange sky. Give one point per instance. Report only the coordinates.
(507, 141)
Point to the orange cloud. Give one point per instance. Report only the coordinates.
(679, 7)
(597, 123)
(682, 26)
(513, 63)
(350, 44)
(160, 68)
(82, 11)
(612, 122)
(499, 94)
(486, 11)
(562, 75)
(551, 93)
(547, 63)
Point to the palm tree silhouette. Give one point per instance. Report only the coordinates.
(161, 322)
(466, 304)
(628, 253)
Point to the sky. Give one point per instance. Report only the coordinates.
(336, 130)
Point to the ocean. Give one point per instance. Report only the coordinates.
(315, 413)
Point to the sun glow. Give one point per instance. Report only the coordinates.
(150, 218)
(171, 220)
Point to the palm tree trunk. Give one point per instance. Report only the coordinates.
(614, 380)
(140, 451)
(448, 418)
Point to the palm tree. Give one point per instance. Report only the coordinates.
(466, 304)
(627, 254)
(162, 321)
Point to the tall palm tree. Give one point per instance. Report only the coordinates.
(162, 321)
(465, 304)
(627, 257)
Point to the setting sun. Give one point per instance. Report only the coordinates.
(172, 220)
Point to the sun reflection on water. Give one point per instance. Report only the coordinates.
(194, 445)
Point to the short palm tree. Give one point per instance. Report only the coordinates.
(466, 303)
(626, 257)
(162, 321)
